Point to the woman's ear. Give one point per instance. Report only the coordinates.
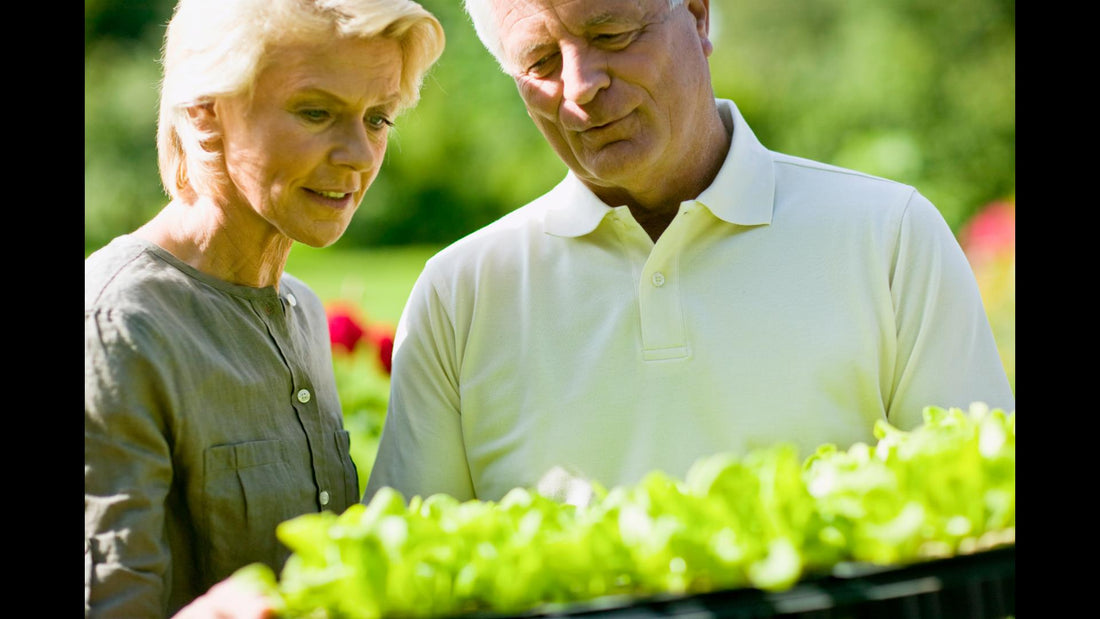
(206, 124)
(204, 118)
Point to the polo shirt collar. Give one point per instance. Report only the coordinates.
(575, 210)
(742, 192)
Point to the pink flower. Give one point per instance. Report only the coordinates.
(990, 233)
(344, 329)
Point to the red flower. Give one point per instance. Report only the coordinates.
(344, 330)
(381, 337)
(347, 329)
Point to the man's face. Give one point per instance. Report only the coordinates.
(616, 86)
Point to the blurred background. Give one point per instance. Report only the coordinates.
(920, 91)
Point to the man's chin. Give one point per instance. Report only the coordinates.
(612, 167)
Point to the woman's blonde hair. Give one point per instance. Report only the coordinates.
(216, 48)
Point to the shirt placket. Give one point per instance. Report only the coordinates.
(656, 275)
(277, 313)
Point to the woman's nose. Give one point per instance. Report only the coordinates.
(356, 148)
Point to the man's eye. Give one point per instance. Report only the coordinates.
(314, 115)
(617, 38)
(378, 121)
(544, 66)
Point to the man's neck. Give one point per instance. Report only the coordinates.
(655, 207)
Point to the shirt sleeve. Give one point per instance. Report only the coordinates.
(127, 474)
(421, 451)
(946, 354)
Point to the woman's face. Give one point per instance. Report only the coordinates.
(303, 149)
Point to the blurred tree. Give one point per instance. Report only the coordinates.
(136, 20)
(921, 91)
(121, 183)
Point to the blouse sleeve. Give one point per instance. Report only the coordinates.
(127, 473)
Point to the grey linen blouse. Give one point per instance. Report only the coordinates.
(210, 416)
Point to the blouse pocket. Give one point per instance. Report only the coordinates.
(351, 473)
(249, 489)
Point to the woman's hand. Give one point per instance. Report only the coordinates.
(229, 599)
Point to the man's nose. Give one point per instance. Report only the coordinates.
(583, 73)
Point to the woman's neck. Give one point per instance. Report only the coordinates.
(236, 246)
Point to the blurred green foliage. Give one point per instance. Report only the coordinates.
(921, 91)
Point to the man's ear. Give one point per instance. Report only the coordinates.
(700, 9)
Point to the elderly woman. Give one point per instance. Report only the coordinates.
(211, 413)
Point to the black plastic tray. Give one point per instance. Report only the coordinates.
(974, 586)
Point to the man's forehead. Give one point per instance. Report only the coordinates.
(528, 24)
(570, 13)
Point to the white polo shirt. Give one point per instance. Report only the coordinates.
(792, 301)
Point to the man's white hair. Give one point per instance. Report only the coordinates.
(481, 13)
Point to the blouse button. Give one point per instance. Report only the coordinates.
(658, 279)
(324, 497)
(303, 396)
(291, 300)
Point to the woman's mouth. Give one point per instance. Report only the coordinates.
(333, 199)
(335, 195)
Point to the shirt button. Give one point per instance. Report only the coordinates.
(324, 497)
(303, 396)
(658, 279)
(291, 300)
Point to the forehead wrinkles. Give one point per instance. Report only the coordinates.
(526, 27)
(342, 68)
(533, 25)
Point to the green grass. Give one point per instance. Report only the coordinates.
(377, 281)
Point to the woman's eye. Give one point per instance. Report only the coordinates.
(379, 121)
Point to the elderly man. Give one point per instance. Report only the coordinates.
(683, 291)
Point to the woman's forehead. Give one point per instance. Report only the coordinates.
(345, 64)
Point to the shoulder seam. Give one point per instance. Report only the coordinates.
(113, 276)
(826, 167)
